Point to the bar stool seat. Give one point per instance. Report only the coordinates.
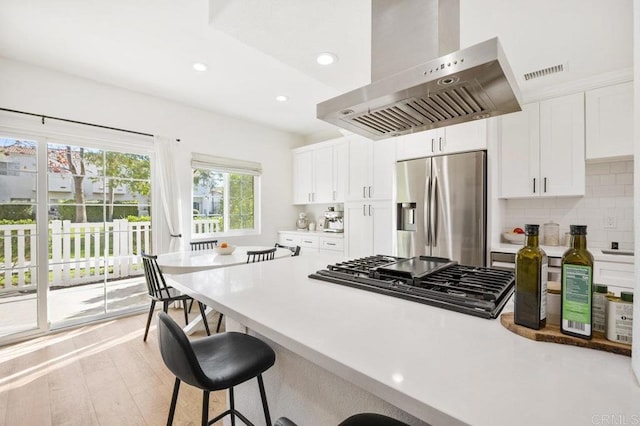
(362, 419)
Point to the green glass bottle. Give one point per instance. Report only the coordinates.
(577, 286)
(532, 269)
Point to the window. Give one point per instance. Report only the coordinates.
(224, 196)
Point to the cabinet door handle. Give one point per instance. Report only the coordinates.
(364, 192)
(545, 184)
(313, 196)
(440, 143)
(330, 244)
(364, 210)
(433, 141)
(308, 196)
(369, 209)
(534, 185)
(308, 242)
(369, 192)
(334, 195)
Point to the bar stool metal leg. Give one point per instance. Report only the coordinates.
(205, 408)
(263, 396)
(174, 400)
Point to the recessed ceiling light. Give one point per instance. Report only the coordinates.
(199, 66)
(326, 58)
(282, 98)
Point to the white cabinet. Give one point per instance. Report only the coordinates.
(371, 168)
(618, 276)
(609, 121)
(369, 227)
(541, 149)
(319, 173)
(463, 137)
(312, 242)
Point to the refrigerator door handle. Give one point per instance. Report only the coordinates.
(427, 210)
(433, 205)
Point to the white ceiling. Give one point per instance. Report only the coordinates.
(257, 49)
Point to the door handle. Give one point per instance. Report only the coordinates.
(534, 185)
(427, 210)
(434, 213)
(334, 195)
(364, 192)
(369, 192)
(433, 141)
(545, 184)
(369, 209)
(440, 143)
(364, 210)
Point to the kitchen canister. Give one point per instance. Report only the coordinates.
(551, 234)
(553, 302)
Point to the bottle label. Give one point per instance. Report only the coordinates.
(599, 312)
(576, 299)
(544, 276)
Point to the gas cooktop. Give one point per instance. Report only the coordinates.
(435, 281)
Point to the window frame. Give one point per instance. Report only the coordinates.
(227, 166)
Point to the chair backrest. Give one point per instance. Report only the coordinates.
(177, 352)
(295, 250)
(260, 255)
(156, 285)
(203, 245)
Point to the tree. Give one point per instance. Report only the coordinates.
(69, 161)
(122, 169)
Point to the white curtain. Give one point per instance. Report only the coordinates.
(166, 176)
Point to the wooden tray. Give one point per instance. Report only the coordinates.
(552, 333)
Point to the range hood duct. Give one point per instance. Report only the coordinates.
(412, 91)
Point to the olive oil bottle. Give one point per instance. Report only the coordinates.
(577, 286)
(532, 266)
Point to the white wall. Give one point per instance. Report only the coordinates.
(37, 90)
(609, 193)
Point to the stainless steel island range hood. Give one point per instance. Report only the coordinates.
(410, 90)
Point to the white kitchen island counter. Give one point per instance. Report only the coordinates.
(440, 366)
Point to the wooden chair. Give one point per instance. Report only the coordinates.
(159, 291)
(295, 250)
(203, 245)
(260, 255)
(217, 362)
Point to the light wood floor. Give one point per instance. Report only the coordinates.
(101, 374)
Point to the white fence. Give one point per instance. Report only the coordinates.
(205, 226)
(76, 253)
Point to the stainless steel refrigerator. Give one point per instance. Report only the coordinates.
(441, 207)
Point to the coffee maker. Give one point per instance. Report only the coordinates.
(333, 221)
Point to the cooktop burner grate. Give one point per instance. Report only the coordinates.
(473, 290)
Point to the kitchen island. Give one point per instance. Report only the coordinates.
(439, 366)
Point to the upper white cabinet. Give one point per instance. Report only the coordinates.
(470, 136)
(541, 149)
(371, 167)
(609, 119)
(319, 173)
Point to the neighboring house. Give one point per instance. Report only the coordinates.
(19, 156)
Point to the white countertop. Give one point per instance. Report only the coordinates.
(443, 367)
(558, 251)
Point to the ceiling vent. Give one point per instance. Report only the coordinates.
(544, 72)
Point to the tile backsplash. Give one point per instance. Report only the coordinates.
(606, 208)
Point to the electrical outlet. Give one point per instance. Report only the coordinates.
(610, 222)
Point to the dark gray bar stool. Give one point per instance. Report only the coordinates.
(213, 363)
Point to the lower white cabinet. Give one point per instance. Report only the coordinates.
(312, 242)
(369, 228)
(617, 276)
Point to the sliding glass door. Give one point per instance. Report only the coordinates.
(99, 214)
(20, 237)
(74, 219)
